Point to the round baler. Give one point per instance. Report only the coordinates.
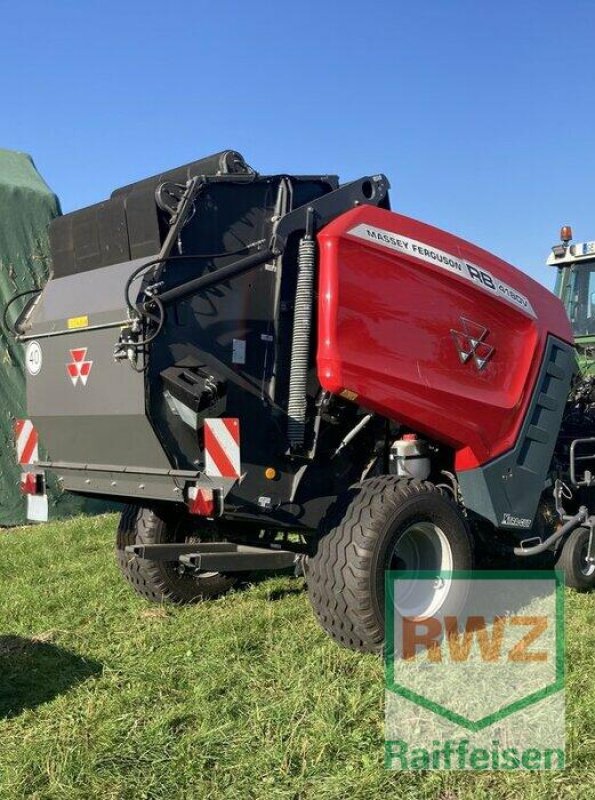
(278, 372)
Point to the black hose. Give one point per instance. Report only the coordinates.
(5, 322)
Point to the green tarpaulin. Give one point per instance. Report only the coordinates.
(27, 206)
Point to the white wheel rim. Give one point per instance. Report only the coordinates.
(422, 547)
(587, 567)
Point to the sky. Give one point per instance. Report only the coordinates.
(482, 114)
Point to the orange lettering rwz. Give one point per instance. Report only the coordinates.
(431, 634)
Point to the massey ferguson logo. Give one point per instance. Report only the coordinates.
(470, 343)
(79, 368)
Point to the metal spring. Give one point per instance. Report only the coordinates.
(300, 345)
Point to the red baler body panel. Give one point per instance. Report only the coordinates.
(391, 293)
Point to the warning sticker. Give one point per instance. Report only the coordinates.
(78, 322)
(33, 358)
(238, 353)
(439, 258)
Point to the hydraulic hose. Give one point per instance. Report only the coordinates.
(300, 345)
(12, 329)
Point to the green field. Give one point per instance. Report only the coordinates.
(104, 696)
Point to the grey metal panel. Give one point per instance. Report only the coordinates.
(121, 439)
(101, 290)
(122, 485)
(143, 484)
(103, 420)
(104, 319)
(507, 491)
(178, 474)
(112, 387)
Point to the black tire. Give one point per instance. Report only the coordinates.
(578, 573)
(161, 581)
(346, 574)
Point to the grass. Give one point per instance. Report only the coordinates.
(104, 696)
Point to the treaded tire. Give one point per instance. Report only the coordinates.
(346, 573)
(159, 581)
(572, 560)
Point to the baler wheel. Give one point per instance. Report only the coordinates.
(385, 523)
(162, 581)
(579, 573)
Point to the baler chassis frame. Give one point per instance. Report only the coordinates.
(226, 557)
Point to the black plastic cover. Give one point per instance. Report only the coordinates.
(507, 490)
(128, 225)
(194, 388)
(227, 162)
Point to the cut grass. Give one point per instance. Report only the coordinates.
(104, 696)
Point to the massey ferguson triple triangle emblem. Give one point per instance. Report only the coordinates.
(470, 343)
(79, 368)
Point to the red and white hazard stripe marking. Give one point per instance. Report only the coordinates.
(27, 442)
(222, 447)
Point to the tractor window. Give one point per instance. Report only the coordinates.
(581, 300)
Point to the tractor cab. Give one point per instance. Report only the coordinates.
(575, 286)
